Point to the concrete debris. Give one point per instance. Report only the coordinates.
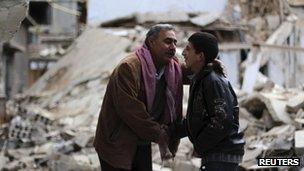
(274, 103)
(3, 159)
(259, 58)
(295, 103)
(205, 19)
(279, 138)
(257, 23)
(84, 139)
(273, 21)
(299, 119)
(185, 165)
(52, 124)
(296, 2)
(250, 156)
(299, 142)
(12, 12)
(263, 83)
(65, 162)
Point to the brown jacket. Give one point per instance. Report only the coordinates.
(123, 118)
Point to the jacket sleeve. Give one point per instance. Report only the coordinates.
(131, 110)
(221, 120)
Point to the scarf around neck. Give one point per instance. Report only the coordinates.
(174, 88)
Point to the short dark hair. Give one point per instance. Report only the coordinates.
(206, 43)
(154, 31)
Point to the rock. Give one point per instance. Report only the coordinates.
(273, 21)
(295, 103)
(299, 142)
(185, 165)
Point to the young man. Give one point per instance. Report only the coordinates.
(143, 94)
(212, 121)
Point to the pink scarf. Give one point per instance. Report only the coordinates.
(174, 88)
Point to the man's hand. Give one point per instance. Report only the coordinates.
(165, 153)
(163, 137)
(163, 142)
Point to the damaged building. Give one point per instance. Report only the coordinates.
(44, 35)
(261, 45)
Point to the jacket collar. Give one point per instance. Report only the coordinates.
(206, 70)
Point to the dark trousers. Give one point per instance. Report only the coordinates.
(219, 166)
(142, 161)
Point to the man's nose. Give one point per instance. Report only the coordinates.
(172, 46)
(184, 53)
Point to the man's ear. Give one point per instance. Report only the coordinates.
(202, 56)
(151, 41)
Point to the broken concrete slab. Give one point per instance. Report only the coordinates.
(274, 102)
(257, 23)
(295, 103)
(94, 159)
(84, 139)
(205, 19)
(273, 21)
(39, 114)
(185, 165)
(3, 161)
(259, 58)
(263, 83)
(267, 120)
(278, 138)
(299, 3)
(249, 124)
(14, 165)
(250, 157)
(65, 162)
(66, 147)
(299, 142)
(299, 119)
(67, 134)
(46, 148)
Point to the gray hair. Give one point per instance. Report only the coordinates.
(154, 31)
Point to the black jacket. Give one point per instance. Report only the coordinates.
(212, 120)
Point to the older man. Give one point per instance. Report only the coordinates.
(143, 94)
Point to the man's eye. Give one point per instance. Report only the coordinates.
(168, 42)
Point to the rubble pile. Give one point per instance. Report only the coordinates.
(272, 125)
(262, 17)
(52, 125)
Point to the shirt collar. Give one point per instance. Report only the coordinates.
(160, 74)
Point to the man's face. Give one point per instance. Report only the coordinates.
(163, 47)
(192, 58)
